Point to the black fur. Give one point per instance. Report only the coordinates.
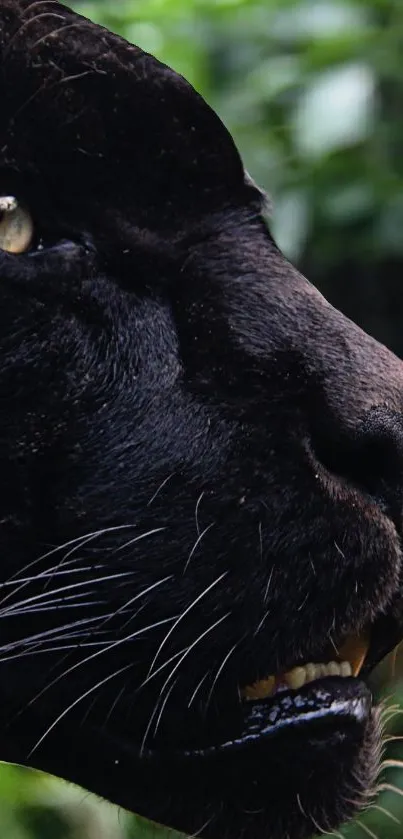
(193, 441)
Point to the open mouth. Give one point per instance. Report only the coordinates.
(324, 696)
(349, 661)
(317, 700)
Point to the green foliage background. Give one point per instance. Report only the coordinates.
(313, 93)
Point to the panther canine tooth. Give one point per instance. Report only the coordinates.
(354, 650)
(260, 689)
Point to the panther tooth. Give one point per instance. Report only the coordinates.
(295, 678)
(260, 689)
(354, 650)
(310, 670)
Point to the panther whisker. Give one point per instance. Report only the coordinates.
(320, 829)
(339, 550)
(39, 649)
(392, 763)
(89, 709)
(387, 717)
(140, 594)
(192, 645)
(48, 632)
(76, 597)
(107, 649)
(160, 699)
(197, 542)
(220, 670)
(197, 688)
(333, 645)
(161, 486)
(303, 604)
(54, 606)
(261, 622)
(77, 541)
(260, 541)
(163, 706)
(114, 705)
(183, 615)
(386, 813)
(386, 700)
(199, 831)
(390, 788)
(366, 829)
(14, 591)
(160, 668)
(76, 702)
(132, 615)
(268, 584)
(175, 668)
(38, 597)
(55, 571)
(138, 539)
(300, 807)
(197, 512)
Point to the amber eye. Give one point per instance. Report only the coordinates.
(16, 226)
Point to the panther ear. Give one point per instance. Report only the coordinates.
(103, 118)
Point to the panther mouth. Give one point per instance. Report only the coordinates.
(349, 661)
(319, 696)
(313, 694)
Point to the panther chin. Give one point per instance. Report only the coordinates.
(299, 752)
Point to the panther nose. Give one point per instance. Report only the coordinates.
(379, 459)
(371, 458)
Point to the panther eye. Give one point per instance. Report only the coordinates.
(16, 226)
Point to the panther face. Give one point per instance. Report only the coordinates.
(201, 461)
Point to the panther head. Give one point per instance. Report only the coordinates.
(202, 461)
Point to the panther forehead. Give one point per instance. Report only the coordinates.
(78, 98)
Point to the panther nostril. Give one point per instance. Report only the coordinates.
(371, 458)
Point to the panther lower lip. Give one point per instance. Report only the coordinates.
(322, 706)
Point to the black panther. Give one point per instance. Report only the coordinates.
(201, 461)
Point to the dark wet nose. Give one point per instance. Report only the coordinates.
(371, 458)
